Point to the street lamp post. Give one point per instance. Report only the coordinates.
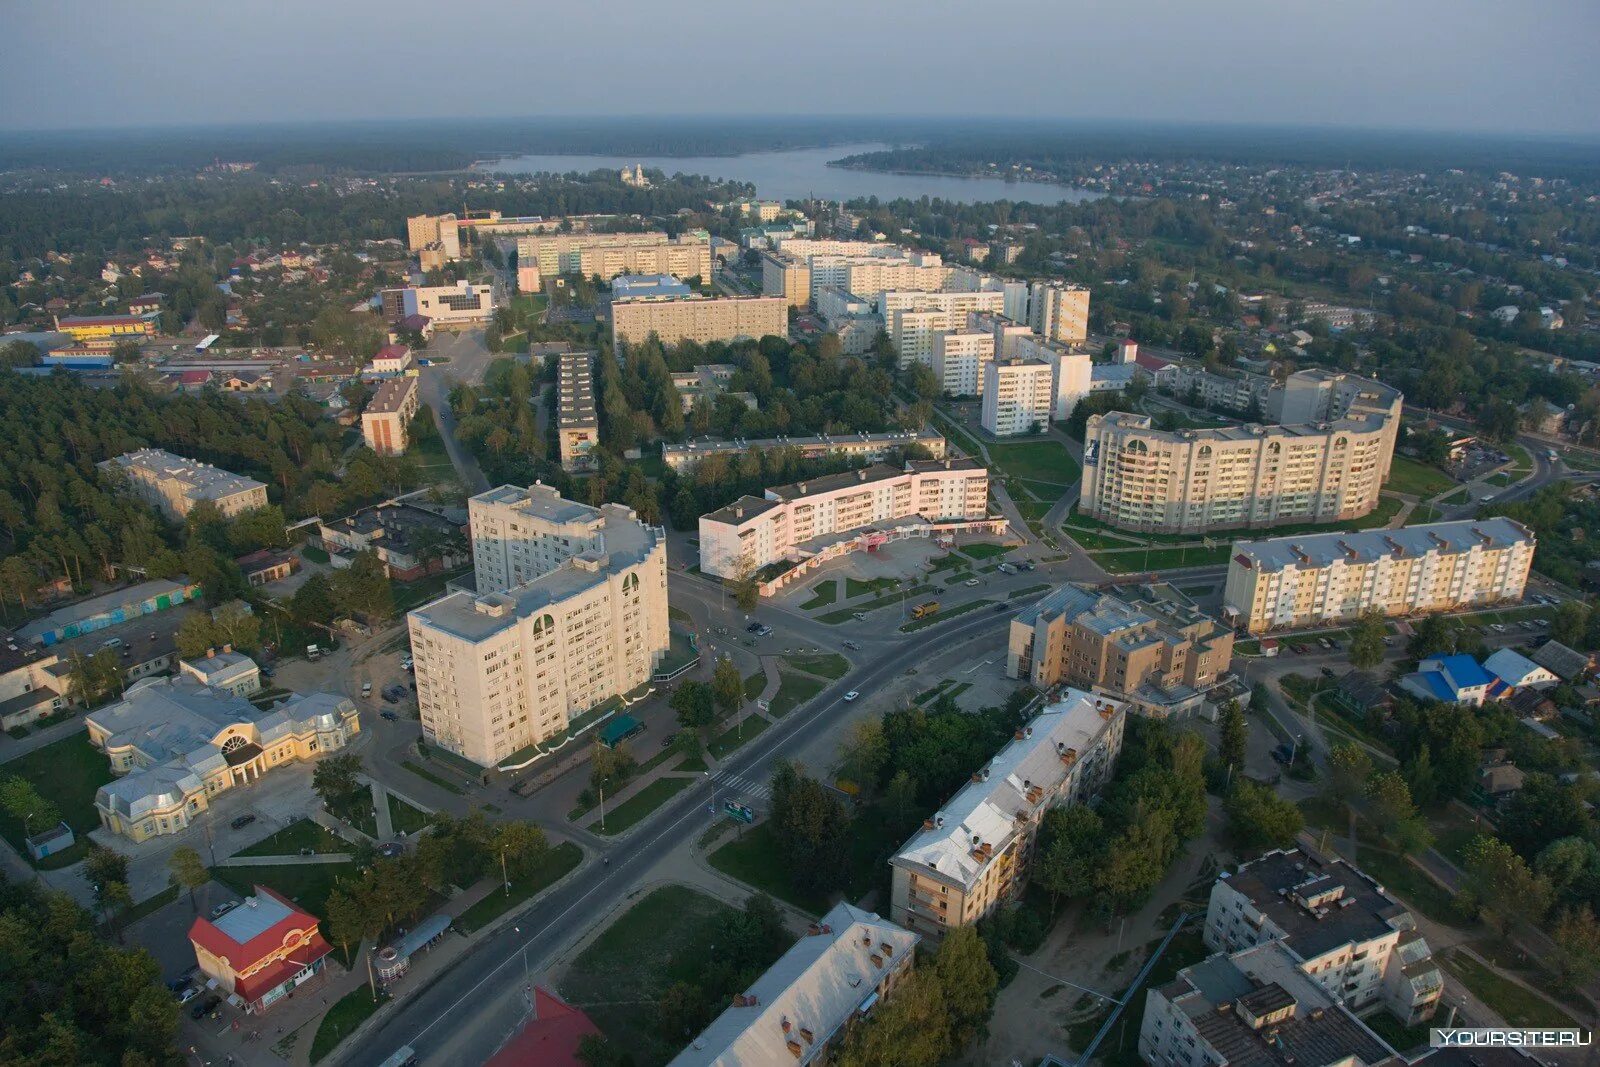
(503, 876)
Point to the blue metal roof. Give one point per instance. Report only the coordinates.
(1464, 671)
(1438, 686)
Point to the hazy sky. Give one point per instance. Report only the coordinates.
(1438, 64)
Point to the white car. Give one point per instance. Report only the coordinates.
(366, 689)
(851, 695)
(971, 582)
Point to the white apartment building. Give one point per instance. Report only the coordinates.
(823, 517)
(915, 319)
(972, 855)
(699, 319)
(1290, 582)
(1008, 334)
(577, 421)
(959, 358)
(1342, 929)
(570, 610)
(867, 447)
(175, 484)
(1136, 477)
(787, 277)
(545, 255)
(1018, 396)
(1059, 312)
(386, 420)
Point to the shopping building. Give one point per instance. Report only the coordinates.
(461, 304)
(102, 332)
(798, 527)
(176, 745)
(386, 420)
(260, 951)
(1342, 929)
(175, 484)
(1148, 644)
(699, 319)
(972, 855)
(1290, 582)
(570, 610)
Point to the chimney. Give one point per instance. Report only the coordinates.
(211, 653)
(227, 649)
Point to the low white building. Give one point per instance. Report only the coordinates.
(226, 671)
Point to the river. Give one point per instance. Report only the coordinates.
(803, 173)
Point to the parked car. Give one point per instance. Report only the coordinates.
(391, 716)
(186, 993)
(754, 628)
(222, 909)
(1025, 565)
(853, 694)
(242, 821)
(366, 689)
(1327, 672)
(971, 582)
(1002, 606)
(854, 646)
(205, 1007)
(859, 616)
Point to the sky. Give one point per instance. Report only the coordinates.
(1459, 65)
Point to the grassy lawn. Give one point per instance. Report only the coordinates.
(1453, 832)
(1408, 476)
(1401, 1038)
(737, 735)
(848, 614)
(943, 614)
(314, 554)
(1405, 881)
(557, 862)
(353, 1009)
(854, 587)
(1516, 1005)
(1458, 497)
(1498, 479)
(307, 884)
(830, 665)
(983, 550)
(1423, 514)
(668, 936)
(1519, 456)
(625, 815)
(423, 772)
(753, 859)
(794, 690)
(822, 594)
(1046, 461)
(408, 595)
(1580, 461)
(1162, 558)
(298, 835)
(1122, 1043)
(405, 818)
(952, 430)
(66, 773)
(754, 684)
(680, 653)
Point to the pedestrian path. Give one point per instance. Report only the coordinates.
(744, 787)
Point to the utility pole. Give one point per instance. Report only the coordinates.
(503, 876)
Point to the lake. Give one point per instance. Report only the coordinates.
(803, 173)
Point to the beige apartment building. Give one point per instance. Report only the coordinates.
(1148, 644)
(577, 422)
(819, 519)
(959, 358)
(386, 421)
(570, 610)
(1136, 477)
(1059, 312)
(1018, 396)
(1290, 582)
(867, 447)
(786, 276)
(607, 255)
(914, 319)
(699, 319)
(175, 484)
(972, 855)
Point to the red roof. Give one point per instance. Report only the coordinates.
(551, 1037)
(1149, 362)
(205, 933)
(391, 352)
(194, 377)
(261, 983)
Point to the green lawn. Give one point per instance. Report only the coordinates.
(556, 863)
(668, 936)
(1516, 1005)
(298, 835)
(408, 595)
(405, 818)
(854, 587)
(314, 554)
(1498, 479)
(822, 594)
(1460, 496)
(423, 772)
(944, 613)
(625, 815)
(753, 859)
(1162, 558)
(737, 735)
(1046, 461)
(66, 773)
(1404, 880)
(754, 684)
(342, 1020)
(680, 654)
(829, 665)
(848, 614)
(1408, 476)
(307, 884)
(794, 690)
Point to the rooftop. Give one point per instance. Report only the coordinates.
(1368, 546)
(1566, 663)
(201, 481)
(822, 441)
(651, 286)
(1320, 905)
(17, 653)
(65, 617)
(541, 501)
(392, 395)
(1248, 432)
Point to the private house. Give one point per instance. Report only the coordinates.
(1456, 679)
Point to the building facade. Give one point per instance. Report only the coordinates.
(102, 332)
(1136, 477)
(386, 420)
(1018, 397)
(972, 855)
(511, 666)
(1290, 582)
(174, 484)
(914, 319)
(868, 447)
(1059, 312)
(461, 304)
(577, 420)
(607, 255)
(259, 952)
(959, 358)
(699, 319)
(793, 522)
(1147, 644)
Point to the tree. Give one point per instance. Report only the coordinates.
(522, 845)
(969, 981)
(609, 765)
(1349, 768)
(1542, 811)
(106, 871)
(23, 803)
(1072, 845)
(195, 636)
(336, 781)
(1395, 813)
(1260, 701)
(347, 920)
(187, 871)
(900, 799)
(682, 1011)
(727, 688)
(1501, 886)
(234, 624)
(695, 704)
(1366, 641)
(91, 679)
(1259, 818)
(811, 829)
(1232, 735)
(1576, 936)
(911, 1028)
(746, 590)
(865, 752)
(313, 601)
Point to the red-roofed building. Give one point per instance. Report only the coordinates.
(1149, 362)
(259, 951)
(551, 1037)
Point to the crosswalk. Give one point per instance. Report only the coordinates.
(741, 788)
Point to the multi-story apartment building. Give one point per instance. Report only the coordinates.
(1255, 1009)
(1290, 582)
(502, 669)
(786, 276)
(1233, 391)
(1315, 396)
(607, 255)
(810, 522)
(913, 320)
(801, 1008)
(522, 534)
(899, 269)
(1059, 312)
(1008, 334)
(386, 420)
(1017, 397)
(1341, 928)
(175, 484)
(867, 447)
(429, 231)
(972, 855)
(1136, 477)
(577, 421)
(699, 319)
(959, 358)
(1148, 644)
(461, 304)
